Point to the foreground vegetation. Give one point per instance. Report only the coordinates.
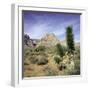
(41, 60)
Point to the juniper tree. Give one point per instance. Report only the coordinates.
(70, 39)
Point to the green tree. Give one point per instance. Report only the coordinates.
(70, 39)
(60, 50)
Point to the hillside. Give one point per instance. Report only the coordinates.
(48, 56)
(49, 40)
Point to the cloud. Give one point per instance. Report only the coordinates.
(54, 25)
(37, 30)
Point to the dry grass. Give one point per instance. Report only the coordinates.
(51, 68)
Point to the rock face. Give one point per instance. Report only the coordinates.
(49, 40)
(26, 39)
(29, 42)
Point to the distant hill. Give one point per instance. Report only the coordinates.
(49, 40)
(30, 42)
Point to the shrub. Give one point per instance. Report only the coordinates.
(64, 49)
(36, 50)
(57, 59)
(72, 71)
(77, 53)
(59, 50)
(77, 67)
(42, 60)
(34, 61)
(40, 48)
(26, 62)
(38, 59)
(27, 53)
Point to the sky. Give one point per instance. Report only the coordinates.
(38, 23)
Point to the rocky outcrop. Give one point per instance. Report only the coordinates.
(29, 42)
(49, 40)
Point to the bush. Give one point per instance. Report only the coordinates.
(39, 60)
(77, 53)
(42, 60)
(57, 59)
(77, 67)
(40, 48)
(59, 50)
(34, 60)
(26, 52)
(26, 62)
(64, 49)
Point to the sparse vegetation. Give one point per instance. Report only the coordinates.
(59, 50)
(40, 48)
(42, 60)
(26, 62)
(46, 60)
(34, 60)
(57, 59)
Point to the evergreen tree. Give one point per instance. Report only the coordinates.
(70, 39)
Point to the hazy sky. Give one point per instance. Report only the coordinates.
(37, 24)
